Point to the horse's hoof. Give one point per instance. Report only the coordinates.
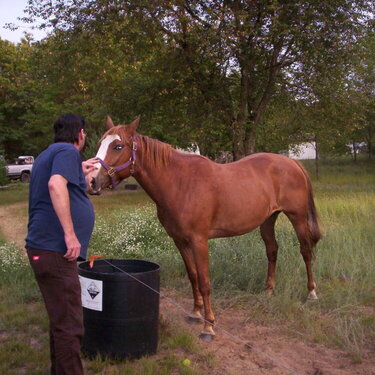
(268, 292)
(206, 337)
(193, 319)
(312, 297)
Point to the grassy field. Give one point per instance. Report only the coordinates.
(344, 317)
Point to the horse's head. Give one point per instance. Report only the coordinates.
(116, 156)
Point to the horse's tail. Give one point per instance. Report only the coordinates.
(314, 233)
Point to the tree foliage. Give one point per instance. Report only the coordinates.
(238, 75)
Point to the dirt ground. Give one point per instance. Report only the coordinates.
(249, 349)
(14, 228)
(240, 346)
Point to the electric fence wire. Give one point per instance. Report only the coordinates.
(234, 337)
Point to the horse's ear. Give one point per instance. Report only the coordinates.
(135, 123)
(109, 123)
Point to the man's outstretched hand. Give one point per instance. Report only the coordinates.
(89, 165)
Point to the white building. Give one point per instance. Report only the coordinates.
(303, 151)
(192, 149)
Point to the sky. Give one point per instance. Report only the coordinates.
(9, 11)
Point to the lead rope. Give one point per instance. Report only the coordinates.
(236, 338)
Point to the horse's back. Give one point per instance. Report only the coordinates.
(234, 198)
(271, 169)
(279, 168)
(262, 177)
(256, 186)
(286, 177)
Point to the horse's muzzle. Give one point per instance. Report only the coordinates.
(93, 188)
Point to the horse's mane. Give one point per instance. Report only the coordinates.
(155, 152)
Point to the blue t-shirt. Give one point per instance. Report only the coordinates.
(44, 230)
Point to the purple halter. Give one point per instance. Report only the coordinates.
(112, 171)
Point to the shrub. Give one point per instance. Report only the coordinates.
(3, 177)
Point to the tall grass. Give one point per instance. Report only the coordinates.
(14, 193)
(343, 269)
(24, 335)
(135, 233)
(24, 327)
(344, 316)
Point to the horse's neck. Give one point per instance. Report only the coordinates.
(159, 183)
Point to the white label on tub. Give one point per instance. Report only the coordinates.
(92, 293)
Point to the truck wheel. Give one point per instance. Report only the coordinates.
(25, 177)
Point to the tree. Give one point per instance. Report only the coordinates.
(258, 44)
(363, 99)
(218, 63)
(3, 177)
(123, 71)
(16, 91)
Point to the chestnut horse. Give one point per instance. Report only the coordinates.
(198, 199)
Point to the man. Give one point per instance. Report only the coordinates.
(61, 220)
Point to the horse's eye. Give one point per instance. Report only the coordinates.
(119, 147)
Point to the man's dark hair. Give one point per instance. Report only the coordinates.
(67, 127)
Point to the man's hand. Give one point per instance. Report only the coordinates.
(73, 247)
(89, 165)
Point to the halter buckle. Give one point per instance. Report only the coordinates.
(132, 165)
(111, 172)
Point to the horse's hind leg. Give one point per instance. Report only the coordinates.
(267, 231)
(306, 247)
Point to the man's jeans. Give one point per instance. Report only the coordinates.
(59, 284)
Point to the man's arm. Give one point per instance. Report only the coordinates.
(59, 194)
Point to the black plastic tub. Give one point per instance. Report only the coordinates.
(121, 315)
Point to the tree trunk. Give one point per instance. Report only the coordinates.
(238, 148)
(316, 159)
(354, 152)
(250, 138)
(369, 149)
(369, 143)
(239, 125)
(244, 137)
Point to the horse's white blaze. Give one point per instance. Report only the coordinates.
(103, 149)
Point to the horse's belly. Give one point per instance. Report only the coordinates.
(237, 224)
(226, 232)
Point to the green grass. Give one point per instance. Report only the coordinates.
(25, 342)
(14, 193)
(24, 336)
(343, 175)
(345, 257)
(127, 227)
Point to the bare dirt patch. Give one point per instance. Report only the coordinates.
(13, 223)
(270, 351)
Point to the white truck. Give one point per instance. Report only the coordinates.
(21, 168)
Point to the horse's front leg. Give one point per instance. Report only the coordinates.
(188, 257)
(200, 253)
